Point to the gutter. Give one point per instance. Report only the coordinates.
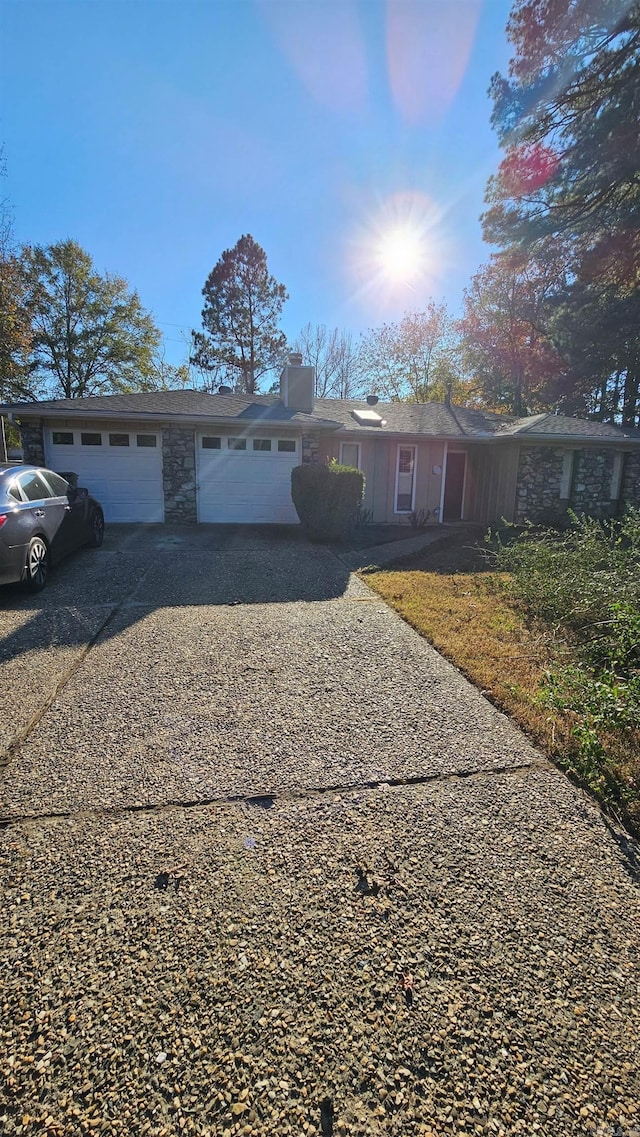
(15, 415)
(170, 420)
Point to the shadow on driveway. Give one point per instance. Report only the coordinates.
(149, 566)
(141, 568)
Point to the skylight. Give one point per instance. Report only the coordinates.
(367, 418)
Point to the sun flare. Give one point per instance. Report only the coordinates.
(401, 254)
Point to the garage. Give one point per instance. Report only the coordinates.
(246, 479)
(123, 469)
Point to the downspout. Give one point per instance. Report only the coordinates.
(444, 478)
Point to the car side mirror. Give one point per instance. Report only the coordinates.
(72, 494)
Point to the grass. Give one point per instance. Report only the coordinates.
(471, 615)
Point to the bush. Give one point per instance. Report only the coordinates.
(587, 578)
(325, 498)
(585, 584)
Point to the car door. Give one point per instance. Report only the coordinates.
(47, 511)
(75, 523)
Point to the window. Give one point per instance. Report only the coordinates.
(118, 440)
(237, 443)
(286, 446)
(14, 492)
(211, 443)
(59, 487)
(262, 444)
(405, 479)
(34, 486)
(146, 440)
(91, 439)
(62, 437)
(350, 454)
(405, 460)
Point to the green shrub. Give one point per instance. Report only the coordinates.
(585, 584)
(325, 498)
(586, 578)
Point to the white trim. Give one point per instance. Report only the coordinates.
(616, 476)
(357, 446)
(442, 483)
(405, 446)
(567, 474)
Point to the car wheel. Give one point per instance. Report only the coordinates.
(97, 530)
(37, 566)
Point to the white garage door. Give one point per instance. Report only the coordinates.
(246, 479)
(123, 469)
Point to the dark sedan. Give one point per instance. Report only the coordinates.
(42, 518)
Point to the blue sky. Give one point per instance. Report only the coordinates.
(156, 132)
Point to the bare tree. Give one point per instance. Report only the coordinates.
(335, 358)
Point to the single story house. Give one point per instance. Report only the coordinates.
(190, 456)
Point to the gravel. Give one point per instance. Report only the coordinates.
(228, 969)
(224, 694)
(455, 956)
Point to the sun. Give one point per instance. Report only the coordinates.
(401, 254)
(398, 252)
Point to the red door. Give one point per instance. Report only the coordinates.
(454, 486)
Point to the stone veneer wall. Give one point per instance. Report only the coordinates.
(32, 439)
(591, 487)
(538, 485)
(630, 488)
(179, 475)
(310, 449)
(540, 480)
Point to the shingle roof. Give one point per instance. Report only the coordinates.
(554, 425)
(434, 420)
(172, 404)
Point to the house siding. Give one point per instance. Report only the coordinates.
(378, 458)
(491, 483)
(179, 475)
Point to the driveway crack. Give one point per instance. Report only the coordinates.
(267, 799)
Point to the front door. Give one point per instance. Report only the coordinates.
(454, 486)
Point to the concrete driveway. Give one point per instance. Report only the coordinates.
(270, 865)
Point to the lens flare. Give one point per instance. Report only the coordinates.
(402, 253)
(399, 254)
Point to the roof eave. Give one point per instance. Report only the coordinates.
(167, 417)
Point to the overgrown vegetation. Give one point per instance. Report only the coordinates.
(585, 585)
(325, 498)
(547, 625)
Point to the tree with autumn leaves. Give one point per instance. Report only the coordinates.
(563, 209)
(505, 348)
